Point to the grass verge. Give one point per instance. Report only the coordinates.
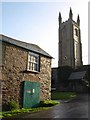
(44, 105)
(56, 95)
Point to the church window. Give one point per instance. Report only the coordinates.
(33, 62)
(76, 32)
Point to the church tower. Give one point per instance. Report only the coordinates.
(69, 45)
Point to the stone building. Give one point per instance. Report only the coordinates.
(23, 61)
(69, 51)
(69, 46)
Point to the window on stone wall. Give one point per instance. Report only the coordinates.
(76, 32)
(33, 62)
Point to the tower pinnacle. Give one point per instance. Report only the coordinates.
(78, 20)
(70, 14)
(60, 18)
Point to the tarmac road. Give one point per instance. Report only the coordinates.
(78, 108)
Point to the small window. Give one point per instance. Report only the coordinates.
(76, 32)
(33, 62)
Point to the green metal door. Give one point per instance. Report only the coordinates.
(31, 94)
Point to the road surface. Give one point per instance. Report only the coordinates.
(78, 108)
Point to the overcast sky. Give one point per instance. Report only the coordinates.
(37, 22)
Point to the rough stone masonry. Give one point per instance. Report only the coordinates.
(14, 65)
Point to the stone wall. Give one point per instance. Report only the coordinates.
(14, 73)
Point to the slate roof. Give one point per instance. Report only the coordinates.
(77, 75)
(28, 46)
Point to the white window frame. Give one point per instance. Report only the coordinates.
(33, 62)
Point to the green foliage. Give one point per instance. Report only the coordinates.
(56, 95)
(11, 105)
(15, 112)
(48, 103)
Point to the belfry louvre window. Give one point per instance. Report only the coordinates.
(33, 62)
(76, 32)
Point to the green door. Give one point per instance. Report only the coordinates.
(31, 94)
